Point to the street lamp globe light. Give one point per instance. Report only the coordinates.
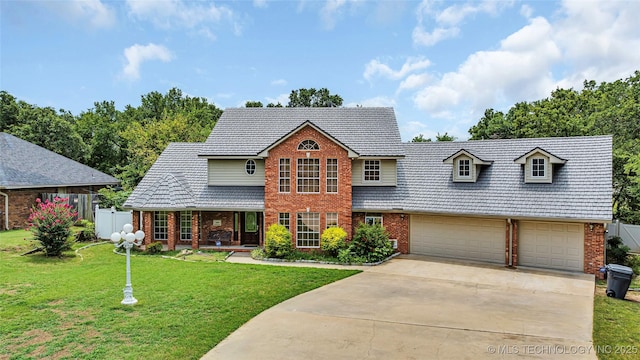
(130, 238)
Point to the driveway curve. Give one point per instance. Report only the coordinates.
(415, 307)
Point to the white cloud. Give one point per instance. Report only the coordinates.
(282, 99)
(94, 12)
(414, 81)
(260, 3)
(448, 20)
(178, 13)
(377, 68)
(279, 82)
(330, 11)
(137, 54)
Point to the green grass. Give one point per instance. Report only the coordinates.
(616, 333)
(69, 307)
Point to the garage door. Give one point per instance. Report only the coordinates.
(458, 237)
(551, 245)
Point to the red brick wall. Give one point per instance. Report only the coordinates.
(195, 229)
(593, 248)
(293, 202)
(397, 225)
(514, 252)
(226, 219)
(147, 227)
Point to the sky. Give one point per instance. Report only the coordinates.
(439, 64)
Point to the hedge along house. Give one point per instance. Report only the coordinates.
(28, 172)
(527, 202)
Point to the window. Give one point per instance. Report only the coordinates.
(332, 220)
(250, 167)
(464, 168)
(185, 225)
(308, 176)
(283, 219)
(308, 145)
(537, 167)
(284, 181)
(373, 219)
(332, 175)
(371, 170)
(308, 230)
(160, 225)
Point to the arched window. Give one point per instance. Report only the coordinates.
(250, 167)
(308, 145)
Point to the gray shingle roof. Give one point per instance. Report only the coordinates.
(581, 188)
(248, 131)
(26, 165)
(178, 180)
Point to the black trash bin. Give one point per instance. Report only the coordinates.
(618, 280)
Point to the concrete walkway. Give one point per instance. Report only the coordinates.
(415, 307)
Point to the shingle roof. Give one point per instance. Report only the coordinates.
(26, 165)
(178, 180)
(581, 188)
(248, 131)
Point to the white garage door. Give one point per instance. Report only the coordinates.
(458, 237)
(551, 245)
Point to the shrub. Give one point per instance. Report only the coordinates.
(277, 242)
(154, 248)
(371, 243)
(617, 252)
(333, 240)
(88, 233)
(257, 254)
(50, 223)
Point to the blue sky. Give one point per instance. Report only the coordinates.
(440, 64)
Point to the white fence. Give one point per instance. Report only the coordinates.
(109, 221)
(630, 234)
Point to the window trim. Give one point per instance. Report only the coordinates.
(308, 145)
(282, 219)
(536, 167)
(186, 216)
(160, 231)
(373, 216)
(286, 178)
(333, 177)
(326, 220)
(299, 233)
(364, 171)
(300, 179)
(250, 167)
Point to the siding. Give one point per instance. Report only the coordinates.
(388, 173)
(232, 173)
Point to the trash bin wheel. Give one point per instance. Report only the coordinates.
(611, 293)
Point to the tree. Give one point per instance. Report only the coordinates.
(445, 137)
(313, 98)
(253, 104)
(608, 108)
(420, 138)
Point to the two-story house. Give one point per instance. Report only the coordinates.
(527, 202)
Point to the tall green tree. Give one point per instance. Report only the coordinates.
(253, 104)
(313, 98)
(598, 109)
(420, 138)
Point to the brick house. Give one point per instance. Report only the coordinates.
(27, 171)
(519, 202)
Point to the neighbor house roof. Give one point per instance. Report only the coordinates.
(178, 181)
(25, 165)
(581, 187)
(369, 132)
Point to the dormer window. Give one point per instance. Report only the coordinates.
(538, 165)
(466, 166)
(308, 145)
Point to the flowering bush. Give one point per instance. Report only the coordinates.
(50, 223)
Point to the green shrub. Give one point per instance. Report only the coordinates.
(257, 254)
(617, 252)
(277, 242)
(333, 240)
(633, 261)
(371, 243)
(50, 223)
(154, 248)
(88, 233)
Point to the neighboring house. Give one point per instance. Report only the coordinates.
(28, 171)
(527, 202)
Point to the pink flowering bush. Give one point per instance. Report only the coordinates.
(50, 223)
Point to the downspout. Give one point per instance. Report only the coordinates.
(510, 242)
(6, 210)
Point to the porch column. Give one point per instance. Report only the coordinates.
(147, 224)
(171, 230)
(195, 230)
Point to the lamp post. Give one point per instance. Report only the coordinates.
(130, 239)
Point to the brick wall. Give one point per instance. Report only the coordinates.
(293, 203)
(195, 229)
(226, 224)
(593, 248)
(397, 225)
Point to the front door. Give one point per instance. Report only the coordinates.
(251, 229)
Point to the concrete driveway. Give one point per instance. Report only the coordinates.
(415, 307)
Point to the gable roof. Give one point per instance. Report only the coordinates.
(581, 189)
(26, 165)
(538, 150)
(476, 160)
(369, 132)
(178, 181)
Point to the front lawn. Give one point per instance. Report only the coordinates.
(69, 307)
(616, 333)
